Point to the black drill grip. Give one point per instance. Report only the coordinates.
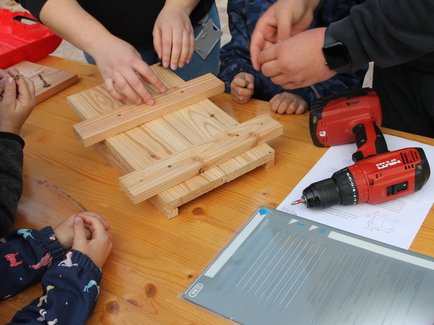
(369, 139)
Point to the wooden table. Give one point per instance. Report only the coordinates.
(154, 259)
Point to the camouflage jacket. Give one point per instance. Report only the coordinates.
(235, 56)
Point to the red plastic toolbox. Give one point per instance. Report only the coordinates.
(21, 41)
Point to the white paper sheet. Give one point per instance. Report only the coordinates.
(395, 222)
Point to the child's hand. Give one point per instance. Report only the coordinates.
(64, 231)
(98, 247)
(288, 103)
(17, 98)
(242, 87)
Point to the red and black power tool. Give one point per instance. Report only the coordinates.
(378, 175)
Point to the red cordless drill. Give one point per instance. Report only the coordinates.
(378, 175)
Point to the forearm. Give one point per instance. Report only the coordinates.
(11, 184)
(185, 5)
(388, 32)
(71, 22)
(70, 292)
(25, 256)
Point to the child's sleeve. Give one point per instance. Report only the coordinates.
(70, 291)
(235, 55)
(11, 183)
(24, 257)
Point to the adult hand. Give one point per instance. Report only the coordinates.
(17, 99)
(98, 247)
(124, 71)
(287, 103)
(173, 35)
(297, 62)
(64, 231)
(282, 20)
(242, 87)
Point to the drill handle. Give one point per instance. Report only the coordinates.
(369, 139)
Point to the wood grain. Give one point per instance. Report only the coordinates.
(174, 132)
(97, 129)
(154, 259)
(48, 81)
(193, 160)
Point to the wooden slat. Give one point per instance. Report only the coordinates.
(97, 129)
(143, 184)
(48, 81)
(137, 148)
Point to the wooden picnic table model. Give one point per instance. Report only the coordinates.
(172, 202)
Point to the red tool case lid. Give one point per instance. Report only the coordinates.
(21, 41)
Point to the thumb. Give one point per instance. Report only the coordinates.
(79, 231)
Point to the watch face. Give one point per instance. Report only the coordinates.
(337, 57)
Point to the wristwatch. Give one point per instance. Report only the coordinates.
(336, 54)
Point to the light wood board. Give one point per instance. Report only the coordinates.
(141, 146)
(48, 81)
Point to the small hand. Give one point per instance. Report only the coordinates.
(124, 71)
(17, 99)
(173, 36)
(98, 247)
(64, 231)
(287, 103)
(242, 87)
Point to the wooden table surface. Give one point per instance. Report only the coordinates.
(153, 259)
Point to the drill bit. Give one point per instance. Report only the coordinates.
(299, 201)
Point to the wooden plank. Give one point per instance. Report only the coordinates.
(143, 184)
(143, 145)
(97, 129)
(48, 81)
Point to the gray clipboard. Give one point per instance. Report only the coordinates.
(283, 269)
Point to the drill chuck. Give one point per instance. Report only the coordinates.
(339, 189)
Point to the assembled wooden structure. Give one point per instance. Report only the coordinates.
(179, 148)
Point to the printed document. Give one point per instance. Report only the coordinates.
(395, 222)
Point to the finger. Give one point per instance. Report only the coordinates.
(98, 228)
(10, 92)
(284, 24)
(86, 216)
(268, 55)
(177, 44)
(258, 39)
(166, 49)
(157, 42)
(185, 49)
(244, 92)
(129, 85)
(283, 107)
(149, 75)
(191, 47)
(23, 87)
(79, 231)
(31, 86)
(302, 107)
(240, 82)
(275, 102)
(2, 86)
(250, 81)
(110, 87)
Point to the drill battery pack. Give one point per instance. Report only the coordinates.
(22, 37)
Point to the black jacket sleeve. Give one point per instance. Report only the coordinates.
(11, 183)
(387, 32)
(34, 6)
